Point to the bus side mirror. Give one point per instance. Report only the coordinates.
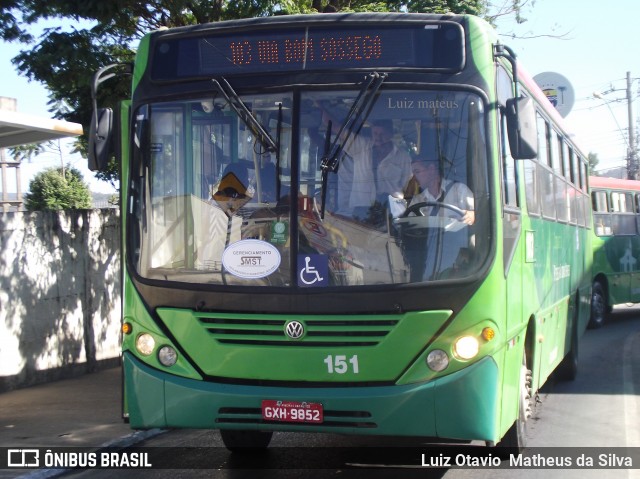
(522, 128)
(101, 139)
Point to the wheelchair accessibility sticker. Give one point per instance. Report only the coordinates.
(313, 270)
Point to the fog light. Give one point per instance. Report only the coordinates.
(466, 347)
(437, 360)
(145, 344)
(167, 356)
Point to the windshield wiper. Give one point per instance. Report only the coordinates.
(245, 115)
(353, 122)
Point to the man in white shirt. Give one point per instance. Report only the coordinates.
(442, 251)
(372, 169)
(437, 189)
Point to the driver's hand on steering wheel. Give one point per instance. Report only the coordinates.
(469, 217)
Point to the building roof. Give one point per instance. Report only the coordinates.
(19, 129)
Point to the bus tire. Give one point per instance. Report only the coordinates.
(515, 439)
(245, 441)
(599, 306)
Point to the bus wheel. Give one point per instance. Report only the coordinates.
(245, 441)
(514, 440)
(598, 306)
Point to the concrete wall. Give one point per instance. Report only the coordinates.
(59, 294)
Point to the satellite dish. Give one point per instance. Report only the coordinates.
(558, 90)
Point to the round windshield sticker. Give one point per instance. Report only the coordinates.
(251, 259)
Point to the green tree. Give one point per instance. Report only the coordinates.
(58, 189)
(106, 32)
(592, 160)
(26, 152)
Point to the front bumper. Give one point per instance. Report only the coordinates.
(462, 405)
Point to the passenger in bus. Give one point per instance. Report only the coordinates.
(391, 165)
(372, 169)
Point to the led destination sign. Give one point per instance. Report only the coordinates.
(303, 51)
(429, 46)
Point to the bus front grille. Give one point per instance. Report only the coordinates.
(365, 331)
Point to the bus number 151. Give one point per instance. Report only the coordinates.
(340, 365)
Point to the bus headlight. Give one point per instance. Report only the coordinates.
(145, 344)
(466, 347)
(437, 360)
(167, 356)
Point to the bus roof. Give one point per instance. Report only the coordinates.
(530, 84)
(613, 183)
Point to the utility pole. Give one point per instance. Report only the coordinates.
(632, 159)
(633, 166)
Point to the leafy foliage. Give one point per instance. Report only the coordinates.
(58, 189)
(26, 152)
(593, 161)
(106, 32)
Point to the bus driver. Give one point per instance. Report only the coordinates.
(444, 251)
(434, 188)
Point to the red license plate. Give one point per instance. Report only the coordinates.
(292, 411)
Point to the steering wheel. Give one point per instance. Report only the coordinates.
(416, 208)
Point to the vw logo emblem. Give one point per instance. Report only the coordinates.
(294, 329)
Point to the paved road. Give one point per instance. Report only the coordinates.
(599, 409)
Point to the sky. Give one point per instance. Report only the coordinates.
(592, 44)
(32, 98)
(589, 42)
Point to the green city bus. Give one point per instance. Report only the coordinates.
(616, 245)
(282, 274)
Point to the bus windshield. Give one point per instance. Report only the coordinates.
(213, 204)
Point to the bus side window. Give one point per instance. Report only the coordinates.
(584, 184)
(545, 176)
(636, 210)
(531, 187)
(623, 217)
(509, 171)
(601, 217)
(511, 212)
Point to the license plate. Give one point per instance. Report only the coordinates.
(292, 411)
